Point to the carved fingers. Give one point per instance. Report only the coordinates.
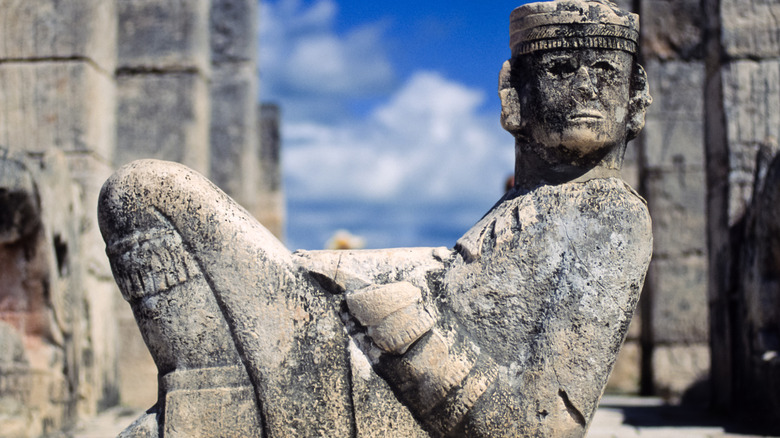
(393, 313)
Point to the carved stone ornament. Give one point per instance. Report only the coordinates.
(512, 333)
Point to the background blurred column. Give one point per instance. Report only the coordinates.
(162, 81)
(743, 125)
(270, 207)
(233, 87)
(57, 100)
(675, 335)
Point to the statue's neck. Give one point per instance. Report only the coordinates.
(534, 169)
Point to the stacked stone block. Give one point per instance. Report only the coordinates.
(743, 125)
(56, 133)
(674, 311)
(233, 135)
(162, 75)
(667, 347)
(86, 86)
(270, 209)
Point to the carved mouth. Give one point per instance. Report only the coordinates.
(587, 115)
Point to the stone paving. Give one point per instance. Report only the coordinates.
(617, 417)
(629, 417)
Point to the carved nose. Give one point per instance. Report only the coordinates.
(583, 83)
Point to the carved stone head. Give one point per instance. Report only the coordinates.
(573, 92)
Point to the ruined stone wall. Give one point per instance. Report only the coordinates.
(56, 145)
(86, 86)
(675, 336)
(743, 125)
(270, 207)
(667, 350)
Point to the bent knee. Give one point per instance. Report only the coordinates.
(138, 193)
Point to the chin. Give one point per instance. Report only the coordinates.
(583, 141)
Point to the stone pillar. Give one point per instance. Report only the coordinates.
(234, 83)
(743, 125)
(672, 178)
(270, 208)
(57, 133)
(162, 81)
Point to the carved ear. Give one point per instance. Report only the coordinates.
(640, 100)
(510, 102)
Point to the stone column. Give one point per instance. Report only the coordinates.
(743, 125)
(162, 82)
(270, 208)
(233, 88)
(57, 131)
(672, 178)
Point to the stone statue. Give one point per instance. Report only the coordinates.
(512, 333)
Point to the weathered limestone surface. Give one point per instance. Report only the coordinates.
(66, 105)
(43, 303)
(164, 116)
(674, 307)
(750, 29)
(232, 31)
(163, 69)
(56, 66)
(270, 204)
(234, 138)
(742, 132)
(514, 332)
(747, 86)
(63, 69)
(76, 30)
(155, 35)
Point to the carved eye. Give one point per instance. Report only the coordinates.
(604, 66)
(562, 68)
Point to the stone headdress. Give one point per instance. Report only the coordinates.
(571, 24)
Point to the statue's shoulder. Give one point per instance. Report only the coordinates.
(580, 210)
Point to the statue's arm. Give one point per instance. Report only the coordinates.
(436, 371)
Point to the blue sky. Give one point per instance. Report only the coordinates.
(390, 116)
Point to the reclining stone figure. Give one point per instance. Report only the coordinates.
(512, 333)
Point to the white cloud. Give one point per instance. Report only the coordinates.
(306, 63)
(428, 142)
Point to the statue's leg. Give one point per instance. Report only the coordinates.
(210, 287)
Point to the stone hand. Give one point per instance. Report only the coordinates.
(394, 314)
